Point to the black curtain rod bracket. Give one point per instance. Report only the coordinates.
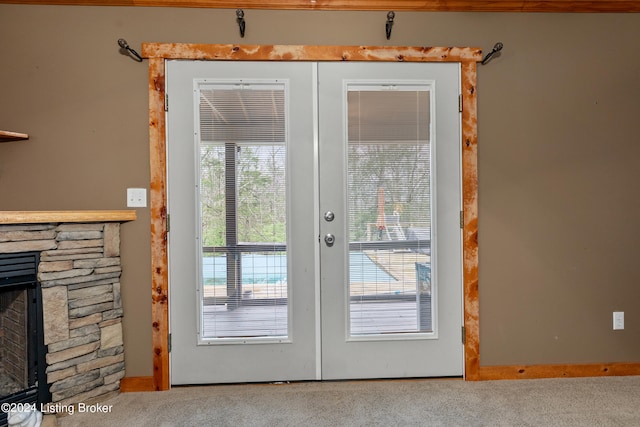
(126, 50)
(389, 25)
(496, 49)
(241, 22)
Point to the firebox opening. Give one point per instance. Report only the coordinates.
(22, 349)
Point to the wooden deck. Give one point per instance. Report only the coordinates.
(380, 306)
(367, 318)
(400, 265)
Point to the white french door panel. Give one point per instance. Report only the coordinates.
(397, 126)
(269, 348)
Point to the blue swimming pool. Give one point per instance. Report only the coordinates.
(272, 268)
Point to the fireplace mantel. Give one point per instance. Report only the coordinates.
(40, 217)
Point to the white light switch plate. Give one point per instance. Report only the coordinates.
(136, 197)
(618, 320)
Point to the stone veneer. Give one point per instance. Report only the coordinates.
(79, 273)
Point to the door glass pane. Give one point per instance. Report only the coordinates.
(243, 210)
(389, 196)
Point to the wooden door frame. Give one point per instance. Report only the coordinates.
(158, 53)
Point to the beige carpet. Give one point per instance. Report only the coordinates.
(584, 402)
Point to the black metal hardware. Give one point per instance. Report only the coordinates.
(496, 48)
(241, 22)
(126, 50)
(390, 17)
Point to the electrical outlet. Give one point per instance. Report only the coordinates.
(136, 197)
(618, 320)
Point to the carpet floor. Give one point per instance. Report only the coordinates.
(584, 402)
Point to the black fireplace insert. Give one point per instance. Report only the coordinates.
(22, 350)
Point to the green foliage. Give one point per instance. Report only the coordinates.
(212, 198)
(260, 199)
(402, 170)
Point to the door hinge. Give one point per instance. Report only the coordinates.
(169, 343)
(461, 219)
(166, 102)
(168, 223)
(464, 335)
(460, 103)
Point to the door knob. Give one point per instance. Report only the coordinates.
(329, 239)
(329, 216)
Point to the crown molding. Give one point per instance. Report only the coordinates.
(586, 6)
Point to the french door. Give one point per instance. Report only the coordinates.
(314, 213)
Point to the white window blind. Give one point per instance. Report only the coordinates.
(242, 138)
(389, 196)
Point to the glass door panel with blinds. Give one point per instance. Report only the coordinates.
(389, 204)
(243, 218)
(309, 237)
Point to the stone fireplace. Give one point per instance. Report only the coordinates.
(79, 274)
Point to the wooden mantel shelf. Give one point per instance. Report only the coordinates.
(40, 217)
(6, 136)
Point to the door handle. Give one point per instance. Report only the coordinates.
(329, 239)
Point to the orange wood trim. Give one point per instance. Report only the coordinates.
(158, 202)
(131, 384)
(309, 53)
(558, 371)
(40, 217)
(470, 225)
(6, 136)
(157, 53)
(396, 5)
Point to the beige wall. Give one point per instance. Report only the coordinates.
(558, 146)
